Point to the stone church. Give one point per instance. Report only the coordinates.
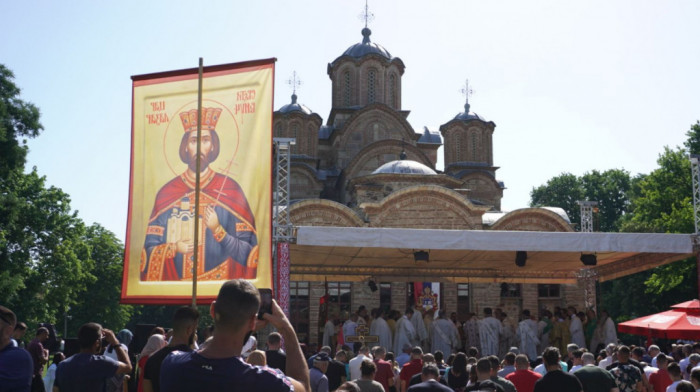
(367, 166)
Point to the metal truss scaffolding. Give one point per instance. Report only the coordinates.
(282, 231)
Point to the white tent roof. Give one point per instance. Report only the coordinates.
(477, 256)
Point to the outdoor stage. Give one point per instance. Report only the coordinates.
(474, 256)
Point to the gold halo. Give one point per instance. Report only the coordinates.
(227, 129)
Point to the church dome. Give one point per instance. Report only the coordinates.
(367, 47)
(466, 115)
(294, 107)
(404, 167)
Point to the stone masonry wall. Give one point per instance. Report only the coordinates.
(362, 295)
(449, 297)
(398, 296)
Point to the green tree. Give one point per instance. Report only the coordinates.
(44, 261)
(100, 302)
(563, 191)
(664, 200)
(609, 188)
(49, 260)
(692, 144)
(18, 120)
(664, 204)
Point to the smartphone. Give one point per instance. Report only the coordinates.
(265, 302)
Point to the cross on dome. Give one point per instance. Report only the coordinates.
(294, 82)
(467, 92)
(366, 15)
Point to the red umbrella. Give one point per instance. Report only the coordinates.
(682, 322)
(688, 305)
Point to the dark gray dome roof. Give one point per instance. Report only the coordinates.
(366, 47)
(430, 136)
(466, 115)
(294, 107)
(404, 167)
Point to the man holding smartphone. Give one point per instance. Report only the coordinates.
(88, 370)
(219, 366)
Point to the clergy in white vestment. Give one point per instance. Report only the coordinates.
(405, 333)
(419, 326)
(609, 334)
(380, 328)
(527, 335)
(576, 329)
(350, 326)
(328, 333)
(490, 330)
(444, 335)
(507, 339)
(471, 332)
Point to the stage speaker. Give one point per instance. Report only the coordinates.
(421, 255)
(520, 258)
(372, 285)
(589, 259)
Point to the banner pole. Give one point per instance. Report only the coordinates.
(196, 186)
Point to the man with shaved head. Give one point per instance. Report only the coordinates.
(219, 366)
(593, 378)
(523, 378)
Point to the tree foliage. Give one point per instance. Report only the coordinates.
(609, 188)
(657, 202)
(49, 259)
(100, 304)
(692, 144)
(664, 204)
(18, 120)
(44, 262)
(563, 191)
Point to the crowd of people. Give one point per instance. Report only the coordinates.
(560, 351)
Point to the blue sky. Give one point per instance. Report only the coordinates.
(571, 86)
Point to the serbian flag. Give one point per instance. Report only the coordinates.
(427, 295)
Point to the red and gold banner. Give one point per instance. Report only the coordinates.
(235, 223)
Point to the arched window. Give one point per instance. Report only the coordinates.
(310, 142)
(278, 130)
(295, 134)
(392, 91)
(475, 147)
(346, 88)
(458, 147)
(371, 83)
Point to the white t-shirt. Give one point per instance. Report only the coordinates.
(649, 370)
(607, 361)
(354, 366)
(575, 368)
(672, 387)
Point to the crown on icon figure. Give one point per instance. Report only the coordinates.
(210, 116)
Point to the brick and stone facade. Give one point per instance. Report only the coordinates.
(335, 182)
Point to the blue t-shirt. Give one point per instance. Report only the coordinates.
(189, 371)
(85, 372)
(15, 369)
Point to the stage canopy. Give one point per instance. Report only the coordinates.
(465, 256)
